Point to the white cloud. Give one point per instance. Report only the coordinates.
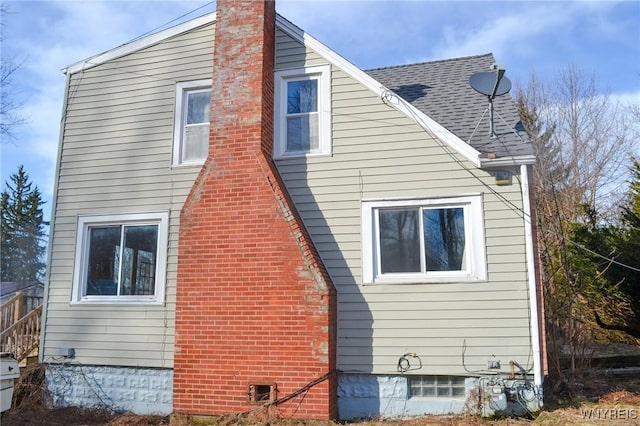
(627, 98)
(505, 32)
(52, 35)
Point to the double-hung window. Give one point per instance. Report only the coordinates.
(302, 112)
(424, 240)
(121, 258)
(191, 128)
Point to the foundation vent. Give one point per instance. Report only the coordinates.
(260, 393)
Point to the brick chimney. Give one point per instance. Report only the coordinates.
(255, 308)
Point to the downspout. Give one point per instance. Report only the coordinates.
(531, 275)
(47, 276)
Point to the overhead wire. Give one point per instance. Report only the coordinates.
(513, 207)
(154, 29)
(169, 22)
(386, 96)
(525, 215)
(447, 150)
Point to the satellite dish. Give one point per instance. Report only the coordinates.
(492, 84)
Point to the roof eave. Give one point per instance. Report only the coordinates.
(517, 160)
(424, 121)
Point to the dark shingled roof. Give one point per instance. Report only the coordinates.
(441, 90)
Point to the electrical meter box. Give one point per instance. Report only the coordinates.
(9, 371)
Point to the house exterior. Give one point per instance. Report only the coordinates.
(245, 220)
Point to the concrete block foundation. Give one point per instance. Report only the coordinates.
(122, 389)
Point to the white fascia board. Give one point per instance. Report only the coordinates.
(139, 44)
(519, 160)
(363, 78)
(426, 122)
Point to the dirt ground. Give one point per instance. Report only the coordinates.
(593, 398)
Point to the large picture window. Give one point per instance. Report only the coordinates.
(192, 116)
(302, 112)
(121, 258)
(423, 240)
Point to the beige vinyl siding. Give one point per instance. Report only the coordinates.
(116, 159)
(380, 153)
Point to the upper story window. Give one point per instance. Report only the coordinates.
(425, 240)
(121, 258)
(302, 112)
(191, 129)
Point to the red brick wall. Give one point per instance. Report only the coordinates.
(254, 303)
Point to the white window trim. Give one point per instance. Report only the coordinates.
(323, 74)
(82, 245)
(474, 231)
(179, 116)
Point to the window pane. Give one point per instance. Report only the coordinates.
(198, 107)
(429, 380)
(104, 256)
(457, 391)
(399, 240)
(195, 144)
(444, 239)
(444, 391)
(302, 133)
(428, 392)
(302, 96)
(414, 387)
(139, 260)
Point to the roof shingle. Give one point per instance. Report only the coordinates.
(441, 90)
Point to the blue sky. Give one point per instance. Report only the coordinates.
(600, 37)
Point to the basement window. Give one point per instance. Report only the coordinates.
(302, 124)
(436, 386)
(260, 393)
(191, 127)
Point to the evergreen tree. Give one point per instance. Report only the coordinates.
(631, 211)
(611, 281)
(625, 275)
(580, 137)
(22, 232)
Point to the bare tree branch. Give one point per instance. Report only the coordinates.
(10, 117)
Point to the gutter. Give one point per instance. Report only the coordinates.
(531, 275)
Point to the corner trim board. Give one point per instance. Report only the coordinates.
(531, 275)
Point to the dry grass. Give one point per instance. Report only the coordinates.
(619, 400)
(586, 400)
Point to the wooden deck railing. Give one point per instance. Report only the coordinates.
(13, 309)
(23, 336)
